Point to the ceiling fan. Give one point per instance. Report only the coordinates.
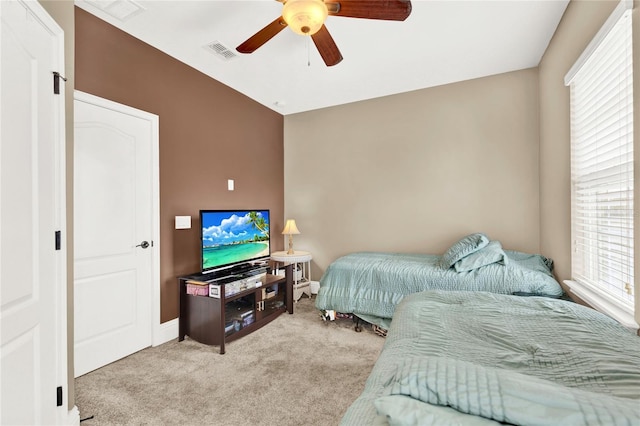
(306, 17)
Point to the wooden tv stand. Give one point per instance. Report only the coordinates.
(216, 320)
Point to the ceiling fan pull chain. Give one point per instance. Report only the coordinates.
(308, 52)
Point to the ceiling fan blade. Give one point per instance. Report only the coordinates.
(327, 47)
(262, 36)
(389, 10)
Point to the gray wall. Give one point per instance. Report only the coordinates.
(416, 171)
(581, 21)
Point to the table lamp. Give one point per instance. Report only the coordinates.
(290, 228)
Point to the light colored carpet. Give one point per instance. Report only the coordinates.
(296, 370)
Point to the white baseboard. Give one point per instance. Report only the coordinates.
(165, 332)
(73, 416)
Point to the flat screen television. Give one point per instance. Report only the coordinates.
(233, 237)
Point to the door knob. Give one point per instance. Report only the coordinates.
(143, 244)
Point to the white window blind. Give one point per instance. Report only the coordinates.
(602, 165)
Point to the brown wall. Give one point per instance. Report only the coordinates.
(415, 171)
(208, 133)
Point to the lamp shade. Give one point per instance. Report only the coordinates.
(290, 228)
(305, 17)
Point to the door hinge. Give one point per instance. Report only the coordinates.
(58, 240)
(59, 396)
(56, 82)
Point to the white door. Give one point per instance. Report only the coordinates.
(113, 220)
(32, 271)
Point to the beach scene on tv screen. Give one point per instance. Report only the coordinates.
(231, 237)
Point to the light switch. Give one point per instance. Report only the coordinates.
(183, 222)
(230, 184)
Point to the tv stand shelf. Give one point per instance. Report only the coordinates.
(217, 320)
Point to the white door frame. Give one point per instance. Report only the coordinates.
(156, 328)
(64, 415)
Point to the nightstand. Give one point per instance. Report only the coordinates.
(302, 278)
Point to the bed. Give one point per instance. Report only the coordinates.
(478, 358)
(370, 285)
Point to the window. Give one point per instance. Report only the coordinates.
(601, 87)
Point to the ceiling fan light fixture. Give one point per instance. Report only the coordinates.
(305, 17)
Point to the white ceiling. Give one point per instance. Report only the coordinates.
(441, 42)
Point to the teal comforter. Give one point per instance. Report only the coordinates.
(481, 358)
(370, 285)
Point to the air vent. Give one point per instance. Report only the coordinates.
(221, 51)
(119, 9)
